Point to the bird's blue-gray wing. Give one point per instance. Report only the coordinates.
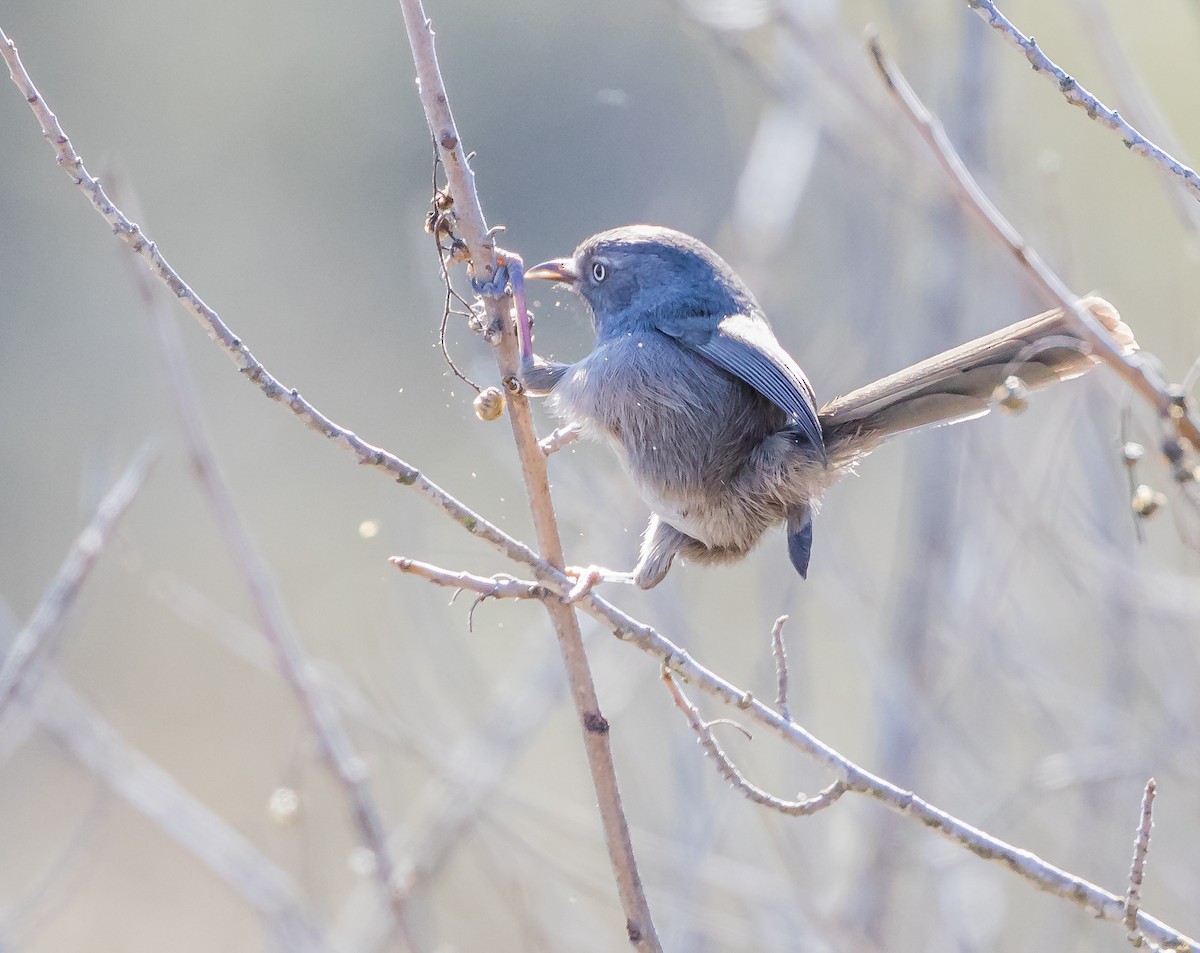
(745, 346)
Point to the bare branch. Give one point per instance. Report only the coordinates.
(1076, 95)
(1028, 866)
(1170, 402)
(779, 650)
(484, 263)
(1138, 99)
(492, 587)
(728, 770)
(1043, 875)
(36, 638)
(1137, 870)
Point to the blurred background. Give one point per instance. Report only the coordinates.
(986, 622)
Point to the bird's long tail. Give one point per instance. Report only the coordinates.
(965, 382)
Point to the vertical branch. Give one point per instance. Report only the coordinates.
(1137, 869)
(484, 264)
(779, 650)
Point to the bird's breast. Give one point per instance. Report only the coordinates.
(683, 428)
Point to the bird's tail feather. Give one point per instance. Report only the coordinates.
(965, 382)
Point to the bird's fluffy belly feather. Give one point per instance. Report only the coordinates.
(685, 462)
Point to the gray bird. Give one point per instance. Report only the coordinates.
(715, 422)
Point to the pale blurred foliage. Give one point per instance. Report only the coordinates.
(981, 623)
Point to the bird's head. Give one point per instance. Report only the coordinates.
(642, 273)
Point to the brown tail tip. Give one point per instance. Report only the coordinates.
(1107, 315)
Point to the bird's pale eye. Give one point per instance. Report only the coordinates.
(599, 272)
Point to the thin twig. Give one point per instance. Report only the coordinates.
(728, 770)
(779, 650)
(1138, 99)
(37, 638)
(1031, 868)
(484, 263)
(1077, 95)
(1169, 402)
(438, 222)
(492, 587)
(1137, 870)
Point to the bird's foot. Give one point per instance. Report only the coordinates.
(510, 276)
(587, 579)
(497, 285)
(561, 437)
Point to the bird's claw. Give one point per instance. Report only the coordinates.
(510, 268)
(560, 438)
(497, 285)
(510, 276)
(588, 579)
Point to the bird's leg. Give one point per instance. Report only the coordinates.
(588, 578)
(660, 544)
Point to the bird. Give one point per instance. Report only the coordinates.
(716, 424)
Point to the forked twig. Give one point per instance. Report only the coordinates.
(729, 771)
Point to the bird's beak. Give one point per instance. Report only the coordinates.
(557, 269)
